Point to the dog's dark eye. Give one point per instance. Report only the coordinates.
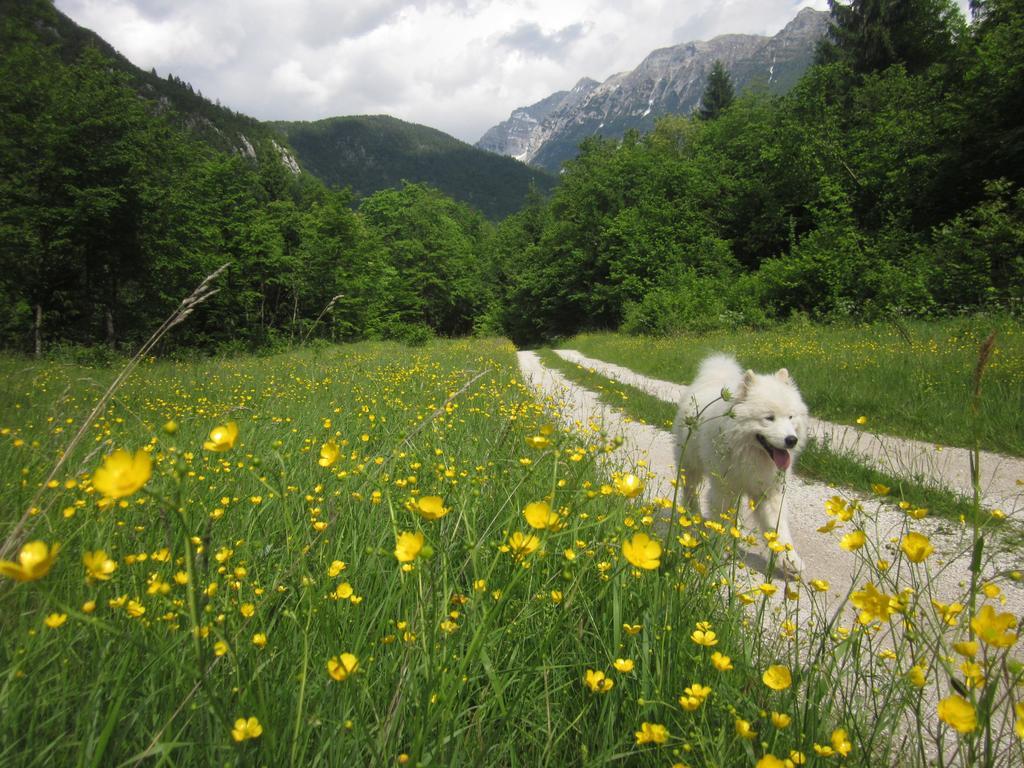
(770, 418)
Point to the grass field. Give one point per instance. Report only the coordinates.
(246, 585)
(912, 380)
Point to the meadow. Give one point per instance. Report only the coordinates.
(374, 555)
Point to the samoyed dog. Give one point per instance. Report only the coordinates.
(744, 446)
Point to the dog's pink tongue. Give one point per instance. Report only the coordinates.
(781, 458)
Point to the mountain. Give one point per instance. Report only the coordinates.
(369, 153)
(218, 126)
(669, 81)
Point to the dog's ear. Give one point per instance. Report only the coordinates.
(783, 375)
(744, 387)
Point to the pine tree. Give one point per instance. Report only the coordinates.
(718, 94)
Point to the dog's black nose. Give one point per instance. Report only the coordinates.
(790, 441)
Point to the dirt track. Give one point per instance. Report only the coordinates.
(805, 501)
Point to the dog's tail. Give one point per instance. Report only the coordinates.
(717, 371)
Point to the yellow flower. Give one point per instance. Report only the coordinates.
(597, 681)
(690, 703)
(247, 609)
(781, 720)
(521, 545)
(343, 591)
(967, 648)
(916, 676)
(770, 761)
(839, 508)
(629, 485)
(329, 453)
(632, 629)
(122, 474)
(841, 742)
(336, 567)
(340, 667)
(698, 691)
(853, 541)
(874, 604)
(34, 561)
(642, 551)
(820, 585)
(259, 640)
(721, 662)
(246, 729)
(916, 547)
(956, 711)
(881, 490)
(994, 629)
(408, 546)
(98, 565)
(823, 750)
(704, 637)
(540, 516)
(538, 441)
(948, 612)
(651, 733)
(777, 677)
(744, 730)
(862, 420)
(431, 507)
(222, 437)
(220, 648)
(623, 665)
(54, 620)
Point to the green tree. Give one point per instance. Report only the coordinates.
(718, 94)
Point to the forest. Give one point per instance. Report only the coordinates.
(886, 184)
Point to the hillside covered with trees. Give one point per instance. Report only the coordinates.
(887, 182)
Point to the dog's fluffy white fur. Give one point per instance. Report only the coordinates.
(744, 446)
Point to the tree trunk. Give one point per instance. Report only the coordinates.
(38, 330)
(111, 339)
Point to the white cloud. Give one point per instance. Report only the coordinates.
(457, 65)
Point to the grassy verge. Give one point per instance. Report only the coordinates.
(817, 462)
(393, 557)
(914, 378)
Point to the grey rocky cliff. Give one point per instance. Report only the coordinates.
(669, 81)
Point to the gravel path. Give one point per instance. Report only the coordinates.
(1002, 477)
(949, 567)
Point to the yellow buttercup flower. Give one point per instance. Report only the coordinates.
(698, 691)
(651, 733)
(777, 677)
(539, 515)
(430, 507)
(781, 720)
(744, 730)
(916, 676)
(642, 551)
(98, 566)
(122, 474)
(597, 681)
(632, 629)
(222, 437)
(34, 561)
(629, 485)
(623, 665)
(721, 662)
(994, 629)
(820, 585)
(408, 546)
(246, 729)
(851, 542)
(329, 453)
(704, 637)
(538, 441)
(770, 761)
(881, 490)
(522, 545)
(55, 620)
(874, 605)
(342, 666)
(841, 742)
(967, 648)
(916, 547)
(956, 711)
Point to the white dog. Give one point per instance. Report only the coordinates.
(745, 445)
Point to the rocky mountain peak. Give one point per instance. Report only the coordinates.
(668, 81)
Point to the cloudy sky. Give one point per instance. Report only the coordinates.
(458, 65)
